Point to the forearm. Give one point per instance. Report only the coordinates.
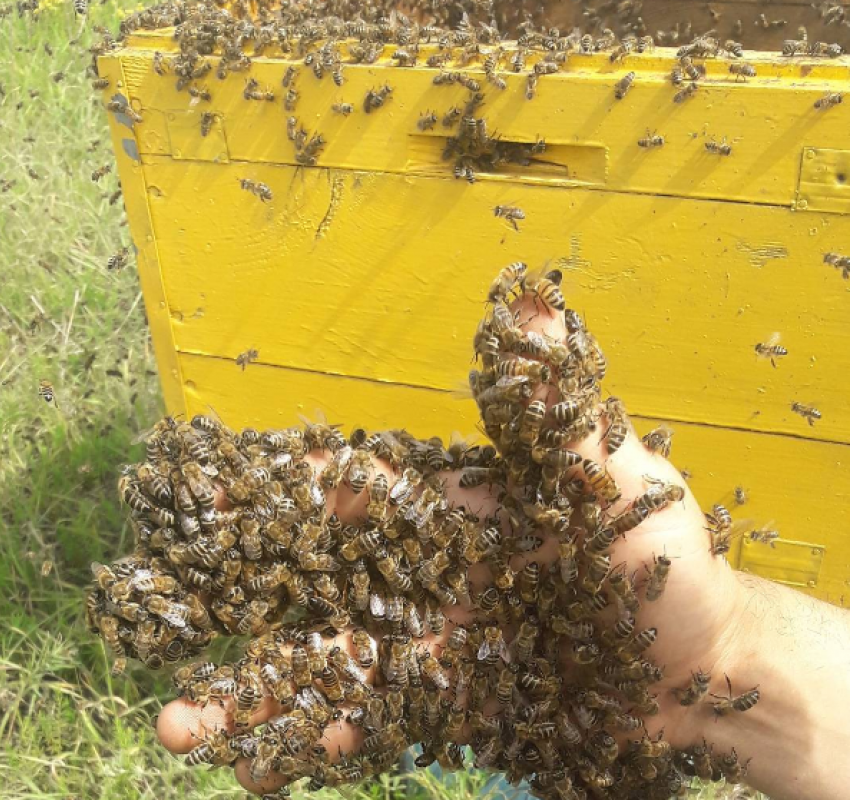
(797, 650)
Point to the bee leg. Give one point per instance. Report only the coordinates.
(516, 227)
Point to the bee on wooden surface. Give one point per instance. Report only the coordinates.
(742, 71)
(677, 76)
(741, 495)
(692, 71)
(838, 261)
(511, 214)
(683, 94)
(207, 122)
(118, 260)
(740, 703)
(375, 98)
(719, 148)
(289, 76)
(531, 85)
(101, 172)
(809, 413)
(829, 100)
(623, 85)
(427, 121)
(252, 91)
(290, 99)
(248, 357)
(793, 47)
(651, 140)
(659, 440)
(342, 108)
(256, 188)
(159, 64)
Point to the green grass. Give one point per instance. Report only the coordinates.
(67, 728)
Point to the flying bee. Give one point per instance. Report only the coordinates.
(742, 71)
(764, 535)
(261, 190)
(101, 172)
(695, 691)
(511, 214)
(829, 100)
(771, 349)
(100, 83)
(47, 393)
(688, 91)
(809, 413)
(623, 85)
(742, 702)
(658, 576)
(651, 140)
(659, 440)
(719, 148)
(118, 260)
(342, 108)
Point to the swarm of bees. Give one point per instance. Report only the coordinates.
(233, 536)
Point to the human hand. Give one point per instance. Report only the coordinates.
(693, 617)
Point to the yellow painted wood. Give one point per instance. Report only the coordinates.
(382, 276)
(135, 192)
(767, 119)
(361, 282)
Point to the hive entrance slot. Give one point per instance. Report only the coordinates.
(560, 163)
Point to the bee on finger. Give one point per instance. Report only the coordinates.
(740, 703)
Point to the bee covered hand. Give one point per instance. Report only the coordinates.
(687, 603)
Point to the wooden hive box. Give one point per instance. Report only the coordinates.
(361, 282)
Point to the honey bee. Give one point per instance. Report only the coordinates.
(809, 413)
(290, 99)
(342, 108)
(213, 749)
(261, 190)
(658, 576)
(47, 393)
(118, 260)
(546, 287)
(659, 440)
(740, 703)
(771, 349)
(253, 92)
(719, 148)
(100, 83)
(160, 66)
(510, 214)
(829, 100)
(493, 647)
(695, 691)
(123, 107)
(289, 76)
(433, 671)
(764, 535)
(623, 85)
(509, 280)
(688, 91)
(600, 481)
(742, 71)
(651, 140)
(207, 121)
(101, 172)
(375, 98)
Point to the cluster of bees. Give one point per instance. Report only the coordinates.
(273, 563)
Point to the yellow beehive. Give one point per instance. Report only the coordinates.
(361, 281)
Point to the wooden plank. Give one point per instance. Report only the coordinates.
(768, 121)
(382, 277)
(800, 487)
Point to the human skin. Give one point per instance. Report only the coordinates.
(795, 649)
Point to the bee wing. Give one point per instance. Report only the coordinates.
(484, 650)
(773, 340)
(377, 606)
(504, 652)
